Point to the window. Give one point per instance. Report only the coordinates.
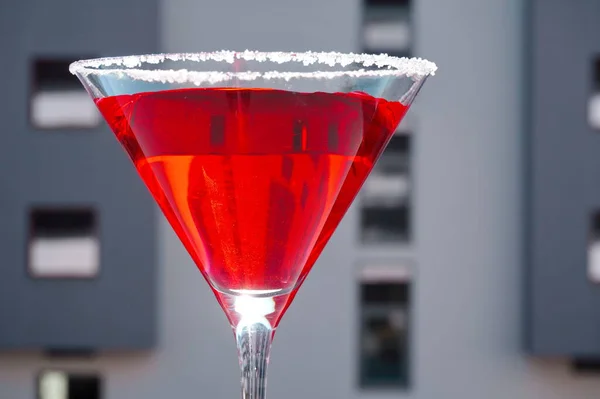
(386, 27)
(384, 324)
(588, 366)
(385, 214)
(387, 3)
(62, 385)
(594, 100)
(63, 243)
(594, 249)
(58, 100)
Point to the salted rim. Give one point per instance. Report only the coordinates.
(128, 66)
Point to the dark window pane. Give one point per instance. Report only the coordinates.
(384, 352)
(387, 3)
(385, 224)
(62, 385)
(384, 293)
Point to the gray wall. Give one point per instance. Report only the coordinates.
(468, 181)
(469, 194)
(564, 172)
(70, 169)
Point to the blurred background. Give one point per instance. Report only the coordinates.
(467, 268)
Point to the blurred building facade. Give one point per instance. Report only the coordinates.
(436, 291)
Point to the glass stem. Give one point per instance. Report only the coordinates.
(254, 336)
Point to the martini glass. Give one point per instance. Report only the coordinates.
(253, 158)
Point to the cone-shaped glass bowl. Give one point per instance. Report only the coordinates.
(254, 158)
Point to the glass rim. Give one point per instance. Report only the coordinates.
(130, 66)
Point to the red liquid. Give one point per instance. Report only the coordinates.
(253, 181)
